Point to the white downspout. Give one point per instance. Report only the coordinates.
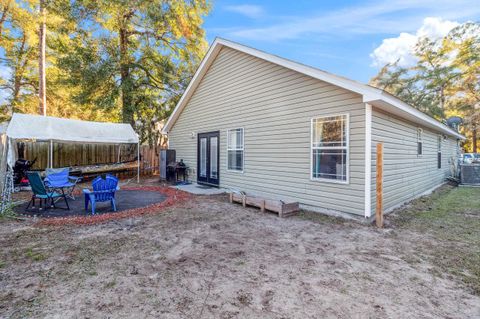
(368, 160)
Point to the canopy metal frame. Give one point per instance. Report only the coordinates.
(25, 127)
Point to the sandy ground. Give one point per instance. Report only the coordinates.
(212, 259)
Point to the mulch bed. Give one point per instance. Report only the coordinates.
(173, 197)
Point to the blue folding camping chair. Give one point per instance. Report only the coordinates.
(59, 178)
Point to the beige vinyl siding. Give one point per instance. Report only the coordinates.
(407, 175)
(275, 106)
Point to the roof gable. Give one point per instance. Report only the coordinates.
(371, 95)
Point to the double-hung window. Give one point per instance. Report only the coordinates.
(329, 149)
(235, 150)
(439, 151)
(419, 142)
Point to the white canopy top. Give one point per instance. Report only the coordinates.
(48, 128)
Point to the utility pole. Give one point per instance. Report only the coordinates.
(42, 86)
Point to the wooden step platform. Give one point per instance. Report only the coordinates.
(284, 209)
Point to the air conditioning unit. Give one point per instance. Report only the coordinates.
(470, 174)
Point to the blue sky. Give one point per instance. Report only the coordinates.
(349, 38)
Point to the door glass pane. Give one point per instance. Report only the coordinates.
(203, 157)
(213, 157)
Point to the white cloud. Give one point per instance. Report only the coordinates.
(401, 48)
(248, 10)
(375, 17)
(436, 28)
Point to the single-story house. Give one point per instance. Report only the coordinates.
(262, 124)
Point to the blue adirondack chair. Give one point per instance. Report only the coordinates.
(103, 191)
(60, 178)
(41, 193)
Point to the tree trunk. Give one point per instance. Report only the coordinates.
(474, 139)
(4, 15)
(126, 81)
(42, 85)
(442, 98)
(19, 73)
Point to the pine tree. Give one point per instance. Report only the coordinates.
(445, 81)
(106, 60)
(136, 56)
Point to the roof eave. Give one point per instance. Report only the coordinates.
(384, 99)
(370, 94)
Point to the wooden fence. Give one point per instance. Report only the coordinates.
(68, 155)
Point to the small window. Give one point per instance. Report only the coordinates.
(329, 149)
(439, 151)
(235, 149)
(419, 142)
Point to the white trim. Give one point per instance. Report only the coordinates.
(347, 148)
(422, 118)
(370, 94)
(197, 77)
(243, 150)
(368, 160)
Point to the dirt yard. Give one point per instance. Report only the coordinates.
(212, 259)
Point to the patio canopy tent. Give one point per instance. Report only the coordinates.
(26, 127)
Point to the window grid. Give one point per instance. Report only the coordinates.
(237, 149)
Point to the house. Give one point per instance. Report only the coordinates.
(259, 123)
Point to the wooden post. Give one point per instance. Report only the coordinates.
(379, 178)
(262, 206)
(138, 162)
(231, 198)
(244, 200)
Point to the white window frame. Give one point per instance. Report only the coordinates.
(419, 140)
(347, 148)
(236, 149)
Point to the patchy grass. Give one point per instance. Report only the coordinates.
(33, 255)
(452, 217)
(8, 214)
